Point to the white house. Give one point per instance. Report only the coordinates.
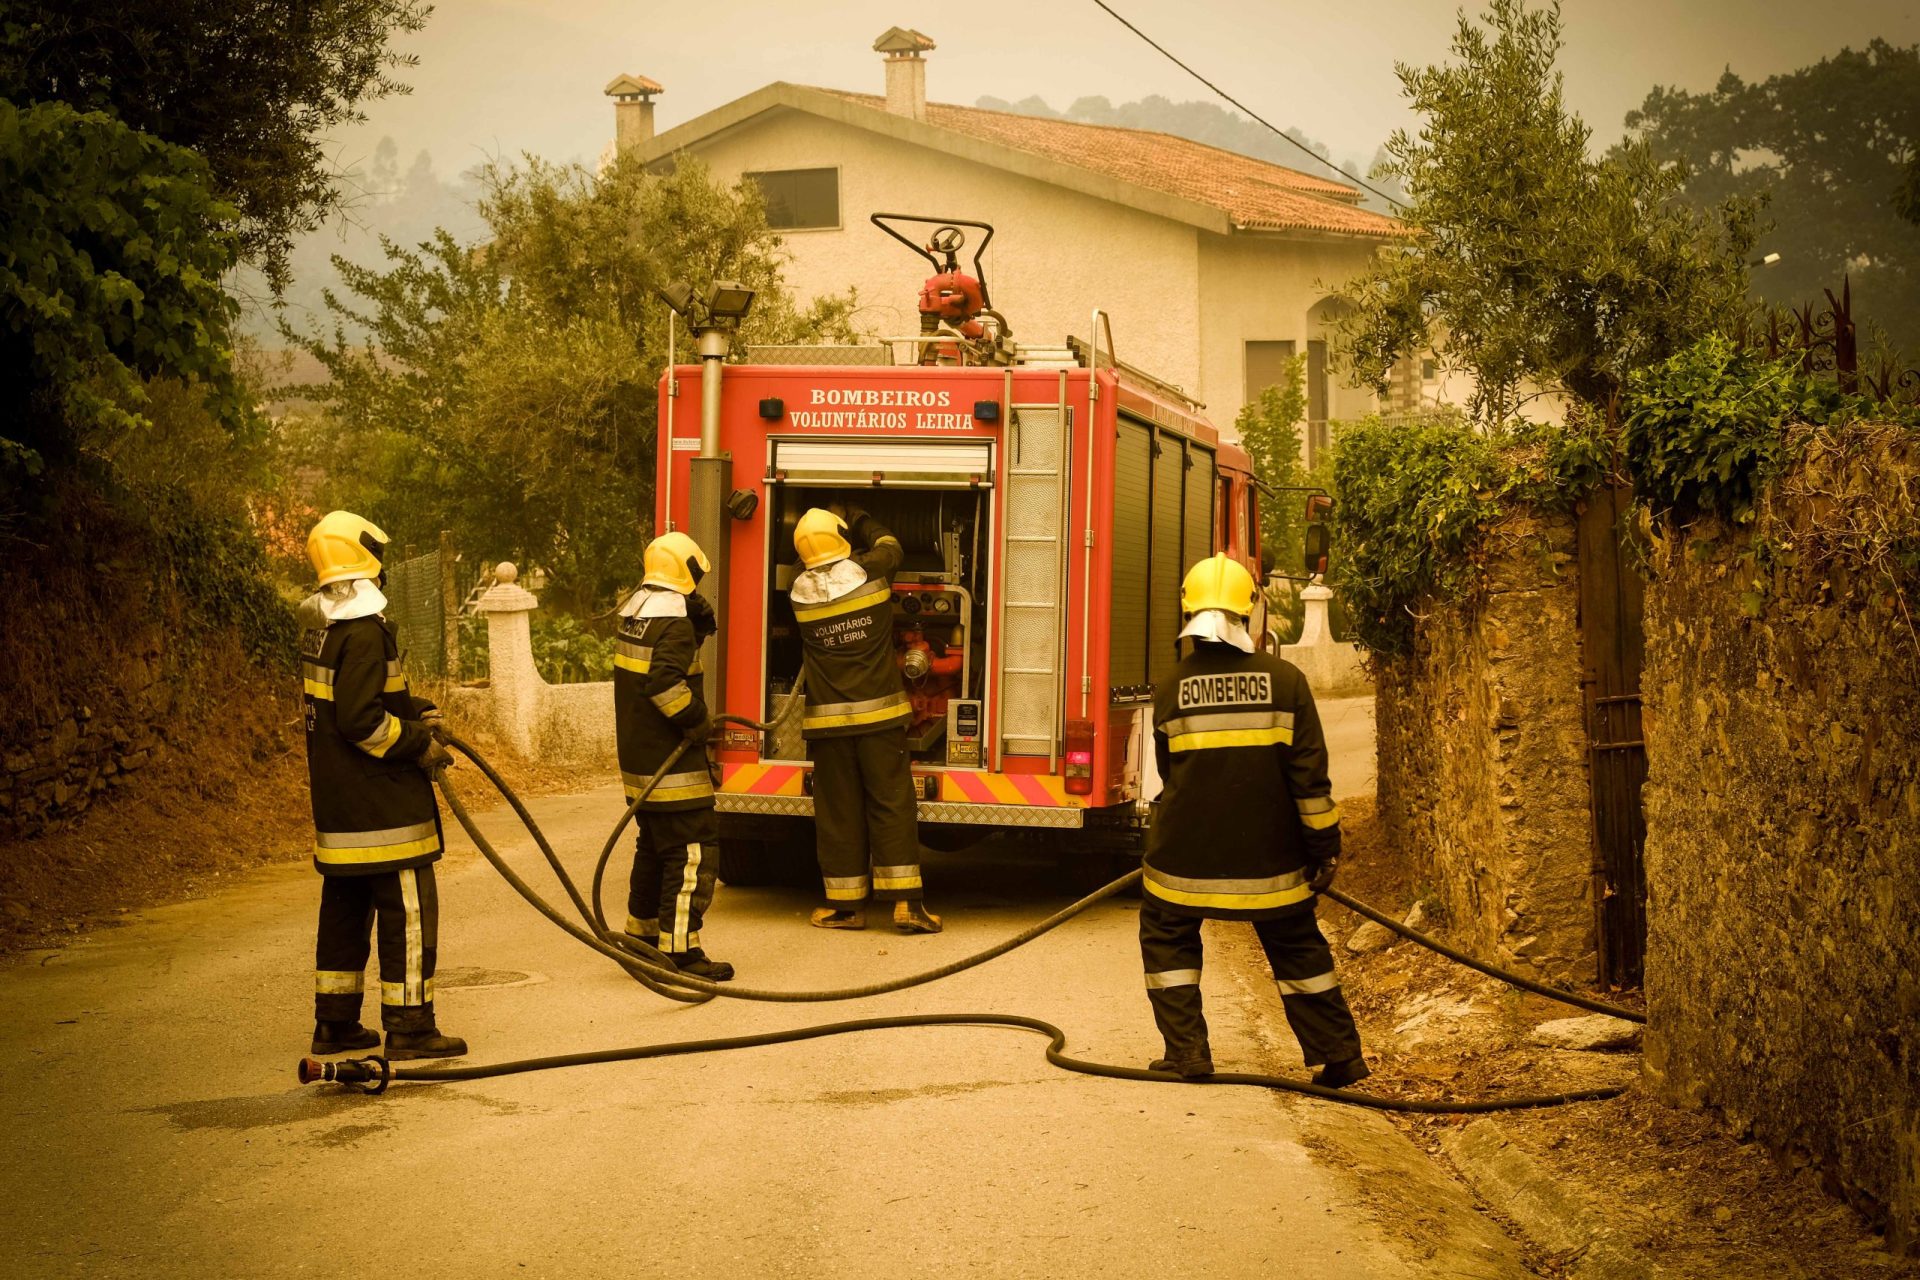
(1213, 266)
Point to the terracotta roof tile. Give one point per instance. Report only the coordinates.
(1254, 194)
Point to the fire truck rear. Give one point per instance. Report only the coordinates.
(1049, 500)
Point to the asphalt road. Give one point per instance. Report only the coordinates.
(155, 1128)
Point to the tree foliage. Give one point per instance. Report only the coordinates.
(111, 257)
(1269, 428)
(254, 86)
(1834, 150)
(507, 391)
(1529, 261)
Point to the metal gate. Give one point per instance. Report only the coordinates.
(1612, 644)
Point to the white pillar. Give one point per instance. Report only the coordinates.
(513, 680)
(1314, 627)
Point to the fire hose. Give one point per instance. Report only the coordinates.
(654, 970)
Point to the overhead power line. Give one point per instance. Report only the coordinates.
(1256, 116)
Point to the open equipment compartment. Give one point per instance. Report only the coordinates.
(936, 498)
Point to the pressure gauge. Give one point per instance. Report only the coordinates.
(943, 603)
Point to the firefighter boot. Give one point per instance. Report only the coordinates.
(423, 1044)
(342, 1037)
(1188, 1064)
(695, 962)
(913, 917)
(838, 918)
(1338, 1075)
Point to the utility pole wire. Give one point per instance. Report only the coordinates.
(1259, 119)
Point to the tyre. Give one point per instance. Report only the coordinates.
(751, 861)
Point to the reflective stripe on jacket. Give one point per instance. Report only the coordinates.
(1247, 807)
(658, 695)
(373, 807)
(853, 684)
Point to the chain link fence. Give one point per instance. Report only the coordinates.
(418, 613)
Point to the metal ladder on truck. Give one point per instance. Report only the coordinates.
(1033, 568)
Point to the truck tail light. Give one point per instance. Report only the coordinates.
(1079, 772)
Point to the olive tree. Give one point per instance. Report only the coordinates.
(1530, 263)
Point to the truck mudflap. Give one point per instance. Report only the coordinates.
(969, 797)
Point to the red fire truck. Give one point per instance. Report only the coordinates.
(1049, 501)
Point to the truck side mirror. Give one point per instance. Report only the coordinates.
(1318, 544)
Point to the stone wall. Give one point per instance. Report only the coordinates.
(55, 773)
(1783, 847)
(1483, 761)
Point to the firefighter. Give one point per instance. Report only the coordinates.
(659, 702)
(866, 830)
(1246, 829)
(370, 752)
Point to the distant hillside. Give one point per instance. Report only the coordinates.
(404, 206)
(1213, 125)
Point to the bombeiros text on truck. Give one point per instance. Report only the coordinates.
(1049, 500)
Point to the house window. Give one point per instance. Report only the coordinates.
(798, 199)
(1429, 369)
(1266, 366)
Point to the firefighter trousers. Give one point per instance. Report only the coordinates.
(866, 827)
(406, 905)
(1302, 965)
(676, 860)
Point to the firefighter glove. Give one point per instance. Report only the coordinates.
(700, 732)
(436, 756)
(700, 613)
(1320, 874)
(436, 723)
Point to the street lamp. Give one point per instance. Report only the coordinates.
(713, 319)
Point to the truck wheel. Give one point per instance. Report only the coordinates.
(747, 862)
(1083, 871)
(750, 863)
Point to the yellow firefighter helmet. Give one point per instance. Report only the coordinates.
(819, 538)
(676, 562)
(344, 546)
(1218, 582)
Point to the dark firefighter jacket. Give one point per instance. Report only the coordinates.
(373, 807)
(1246, 808)
(853, 684)
(659, 695)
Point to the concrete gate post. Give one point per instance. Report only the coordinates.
(515, 682)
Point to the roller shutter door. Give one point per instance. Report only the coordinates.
(1202, 486)
(1132, 493)
(1169, 485)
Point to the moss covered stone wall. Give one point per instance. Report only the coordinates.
(1482, 755)
(1782, 694)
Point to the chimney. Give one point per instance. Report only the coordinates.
(906, 71)
(632, 111)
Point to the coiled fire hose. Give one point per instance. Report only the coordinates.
(656, 972)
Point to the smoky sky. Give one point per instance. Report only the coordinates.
(501, 77)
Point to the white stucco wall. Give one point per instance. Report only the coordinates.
(1055, 256)
(1260, 288)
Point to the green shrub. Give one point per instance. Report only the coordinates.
(566, 651)
(1412, 503)
(1706, 431)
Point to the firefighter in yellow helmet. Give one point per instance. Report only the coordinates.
(1245, 829)
(370, 753)
(866, 830)
(659, 700)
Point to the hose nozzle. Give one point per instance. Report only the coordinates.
(369, 1075)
